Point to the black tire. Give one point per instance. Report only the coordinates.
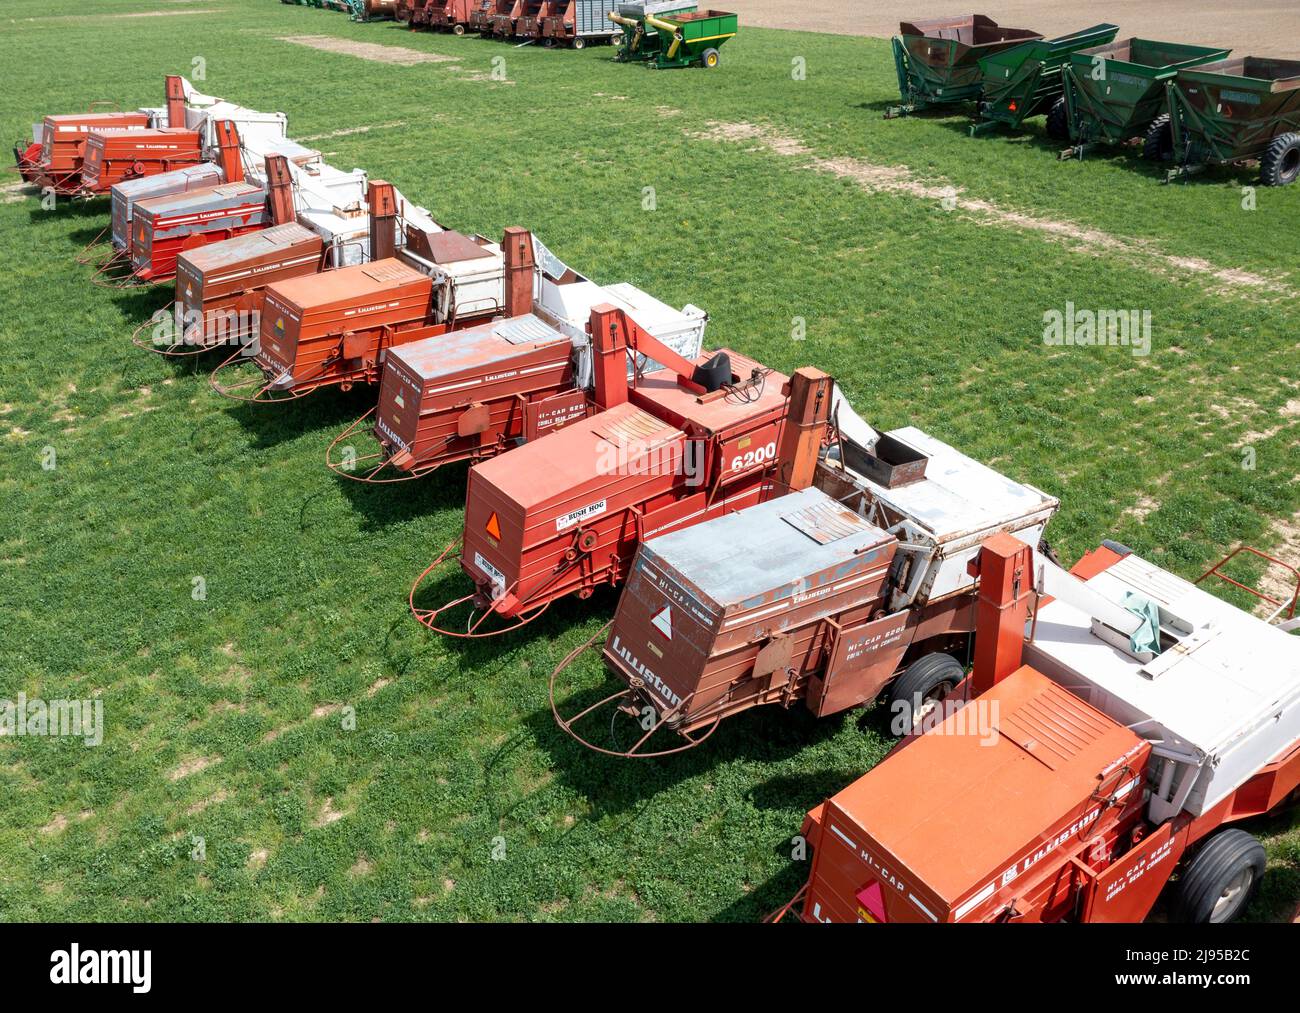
(1220, 880)
(930, 678)
(579, 43)
(1058, 121)
(1158, 144)
(709, 58)
(1280, 165)
(457, 29)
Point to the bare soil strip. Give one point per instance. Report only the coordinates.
(399, 55)
(349, 131)
(875, 178)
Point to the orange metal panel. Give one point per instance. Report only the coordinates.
(970, 816)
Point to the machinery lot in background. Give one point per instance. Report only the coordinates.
(226, 709)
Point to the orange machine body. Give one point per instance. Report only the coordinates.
(334, 327)
(472, 393)
(63, 146)
(748, 608)
(114, 154)
(565, 515)
(983, 818)
(219, 287)
(1028, 803)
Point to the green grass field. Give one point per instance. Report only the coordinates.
(455, 797)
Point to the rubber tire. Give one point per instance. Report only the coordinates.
(1202, 883)
(458, 30)
(1280, 165)
(1058, 122)
(922, 676)
(1158, 144)
(706, 55)
(579, 43)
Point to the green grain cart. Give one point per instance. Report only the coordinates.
(638, 42)
(1116, 92)
(1234, 110)
(1025, 80)
(691, 39)
(938, 60)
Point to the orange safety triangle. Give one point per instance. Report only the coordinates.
(493, 526)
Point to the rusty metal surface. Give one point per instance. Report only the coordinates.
(128, 192)
(710, 608)
(163, 226)
(113, 155)
(305, 320)
(429, 389)
(232, 273)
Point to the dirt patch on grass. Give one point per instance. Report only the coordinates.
(56, 825)
(1245, 25)
(1277, 582)
(348, 132)
(399, 55)
(192, 767)
(898, 179)
(203, 803)
(328, 814)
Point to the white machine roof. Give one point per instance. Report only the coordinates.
(1226, 687)
(1226, 671)
(958, 495)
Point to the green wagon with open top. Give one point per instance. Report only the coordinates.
(938, 60)
(1025, 80)
(638, 41)
(1234, 110)
(1116, 92)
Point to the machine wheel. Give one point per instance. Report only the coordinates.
(709, 58)
(1058, 121)
(1281, 162)
(580, 43)
(1158, 145)
(458, 30)
(1219, 882)
(931, 678)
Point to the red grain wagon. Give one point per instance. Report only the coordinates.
(114, 154)
(332, 328)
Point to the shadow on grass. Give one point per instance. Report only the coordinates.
(383, 505)
(95, 207)
(325, 409)
(614, 785)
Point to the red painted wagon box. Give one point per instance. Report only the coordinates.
(63, 145)
(471, 393)
(163, 227)
(223, 283)
(114, 155)
(334, 327)
(718, 618)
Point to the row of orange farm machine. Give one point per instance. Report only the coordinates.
(773, 548)
(1185, 106)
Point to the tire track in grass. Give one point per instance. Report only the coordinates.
(876, 178)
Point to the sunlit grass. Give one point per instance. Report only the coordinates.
(455, 797)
